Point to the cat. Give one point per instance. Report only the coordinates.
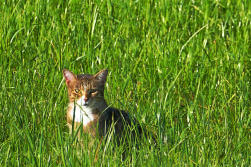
(88, 108)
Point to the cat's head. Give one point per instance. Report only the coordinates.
(85, 89)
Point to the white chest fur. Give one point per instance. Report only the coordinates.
(81, 114)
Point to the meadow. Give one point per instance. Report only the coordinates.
(182, 68)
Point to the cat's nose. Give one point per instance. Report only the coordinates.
(85, 101)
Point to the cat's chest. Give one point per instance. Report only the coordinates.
(81, 115)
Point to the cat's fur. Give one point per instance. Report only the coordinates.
(88, 108)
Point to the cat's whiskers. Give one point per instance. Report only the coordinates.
(82, 114)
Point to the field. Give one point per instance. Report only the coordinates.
(182, 68)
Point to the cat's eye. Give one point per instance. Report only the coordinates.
(92, 90)
(76, 90)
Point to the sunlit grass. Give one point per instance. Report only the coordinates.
(181, 68)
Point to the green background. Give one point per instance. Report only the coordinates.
(181, 68)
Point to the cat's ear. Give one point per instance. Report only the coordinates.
(101, 76)
(69, 77)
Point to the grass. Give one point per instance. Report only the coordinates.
(178, 66)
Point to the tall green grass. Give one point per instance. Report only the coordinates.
(181, 68)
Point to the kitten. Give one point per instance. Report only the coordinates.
(87, 107)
